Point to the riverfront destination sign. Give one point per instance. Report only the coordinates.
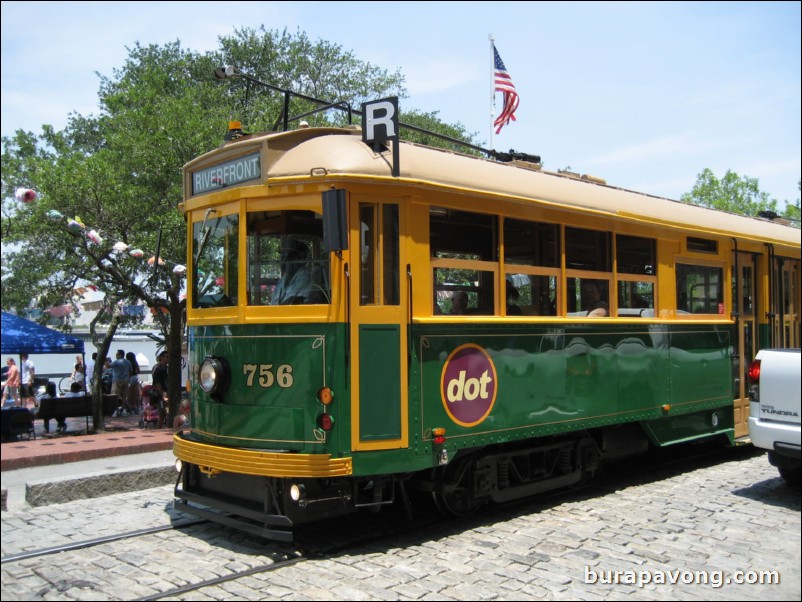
(236, 171)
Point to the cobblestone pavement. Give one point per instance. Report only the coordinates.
(687, 532)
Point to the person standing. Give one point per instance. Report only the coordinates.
(90, 369)
(12, 382)
(28, 373)
(134, 389)
(120, 380)
(159, 377)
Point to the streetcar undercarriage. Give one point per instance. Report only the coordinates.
(272, 507)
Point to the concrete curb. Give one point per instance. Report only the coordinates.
(100, 484)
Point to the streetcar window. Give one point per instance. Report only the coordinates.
(587, 250)
(286, 261)
(635, 298)
(747, 300)
(531, 295)
(532, 257)
(701, 245)
(589, 297)
(460, 292)
(379, 258)
(391, 285)
(462, 235)
(369, 269)
(636, 265)
(531, 243)
(215, 248)
(700, 289)
(635, 255)
(464, 251)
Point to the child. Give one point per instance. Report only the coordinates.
(151, 411)
(182, 420)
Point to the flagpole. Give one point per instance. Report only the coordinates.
(492, 90)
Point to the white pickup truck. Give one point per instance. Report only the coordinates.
(774, 408)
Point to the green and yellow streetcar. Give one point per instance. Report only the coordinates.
(370, 316)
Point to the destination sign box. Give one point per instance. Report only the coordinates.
(236, 171)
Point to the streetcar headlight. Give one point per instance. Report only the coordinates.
(213, 376)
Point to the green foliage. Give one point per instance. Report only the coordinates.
(430, 122)
(732, 193)
(319, 69)
(121, 171)
(792, 209)
(736, 194)
(792, 213)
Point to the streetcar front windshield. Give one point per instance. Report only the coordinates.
(214, 270)
(287, 264)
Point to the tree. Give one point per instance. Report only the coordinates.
(55, 253)
(735, 194)
(319, 69)
(120, 171)
(732, 193)
(792, 210)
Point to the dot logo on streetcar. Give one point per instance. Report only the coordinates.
(468, 385)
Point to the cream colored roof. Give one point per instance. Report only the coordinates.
(298, 153)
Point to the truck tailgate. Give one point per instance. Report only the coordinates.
(780, 386)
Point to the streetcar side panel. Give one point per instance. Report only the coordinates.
(550, 380)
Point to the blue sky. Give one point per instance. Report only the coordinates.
(645, 95)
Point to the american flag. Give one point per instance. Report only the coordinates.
(507, 88)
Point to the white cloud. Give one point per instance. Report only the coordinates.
(647, 150)
(441, 75)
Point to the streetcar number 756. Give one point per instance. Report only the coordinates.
(267, 378)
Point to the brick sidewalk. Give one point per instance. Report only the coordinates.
(123, 436)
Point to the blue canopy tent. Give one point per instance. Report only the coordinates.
(19, 335)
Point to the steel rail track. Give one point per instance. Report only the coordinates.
(78, 545)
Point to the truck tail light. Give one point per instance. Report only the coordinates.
(754, 372)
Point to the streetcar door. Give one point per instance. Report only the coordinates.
(784, 295)
(744, 289)
(378, 309)
(789, 303)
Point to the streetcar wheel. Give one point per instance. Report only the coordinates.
(453, 491)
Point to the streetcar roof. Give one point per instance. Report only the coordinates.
(340, 153)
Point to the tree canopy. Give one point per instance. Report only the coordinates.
(735, 194)
(118, 173)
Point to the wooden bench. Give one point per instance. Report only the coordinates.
(61, 408)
